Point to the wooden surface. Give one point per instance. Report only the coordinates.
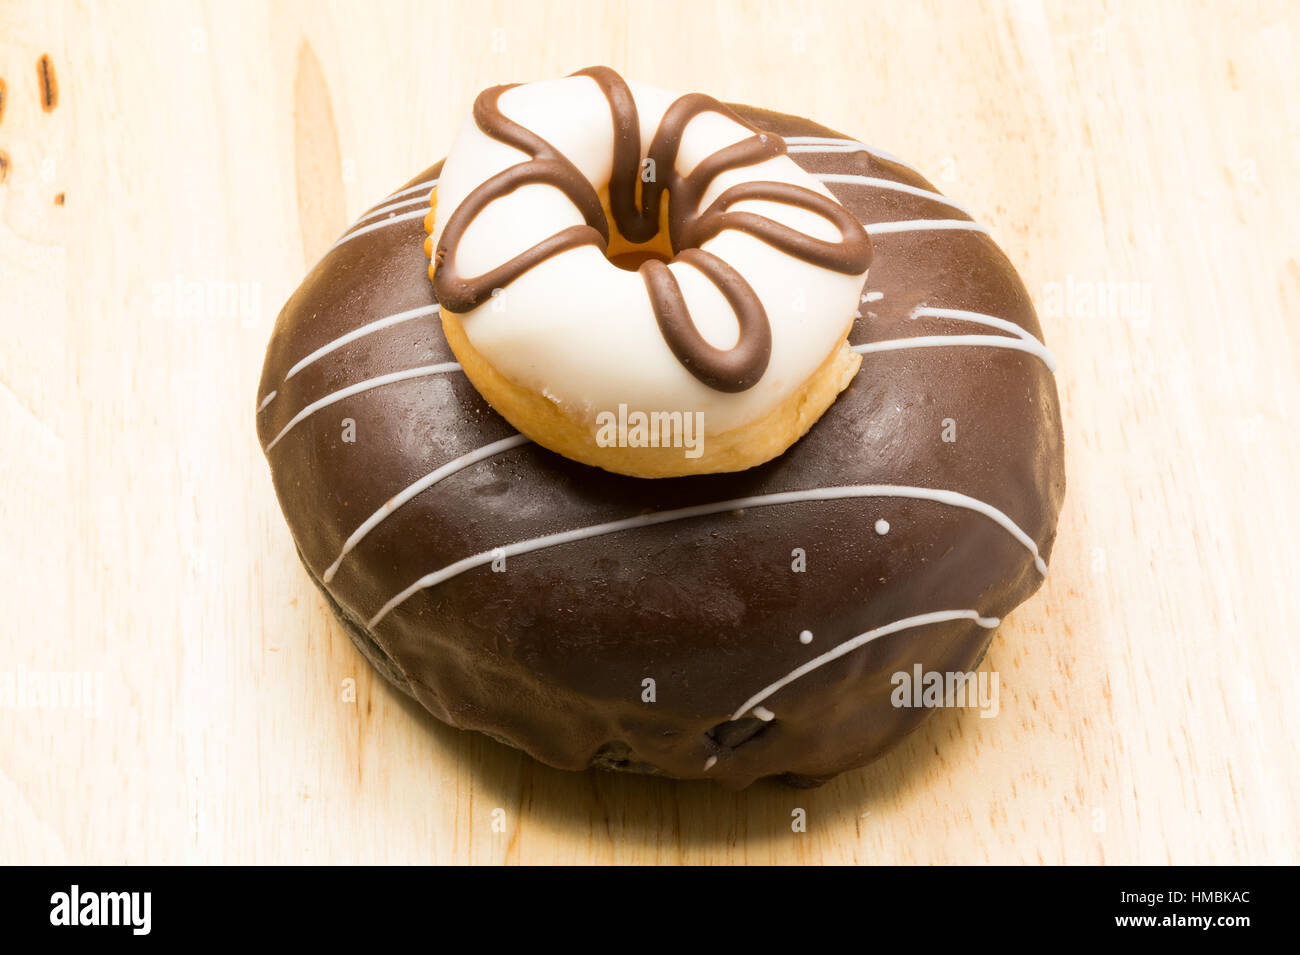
(1136, 161)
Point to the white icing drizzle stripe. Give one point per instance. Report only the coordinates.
(922, 225)
(266, 401)
(835, 178)
(951, 498)
(992, 321)
(391, 220)
(392, 206)
(944, 341)
(377, 325)
(353, 230)
(1023, 341)
(358, 388)
(825, 144)
(426, 186)
(848, 646)
(424, 483)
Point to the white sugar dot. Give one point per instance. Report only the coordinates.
(882, 526)
(805, 636)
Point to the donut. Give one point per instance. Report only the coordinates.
(710, 283)
(733, 624)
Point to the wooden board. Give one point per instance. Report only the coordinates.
(1137, 161)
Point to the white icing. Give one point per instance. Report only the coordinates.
(1023, 341)
(266, 401)
(827, 144)
(420, 201)
(882, 527)
(949, 341)
(923, 225)
(419, 213)
(367, 329)
(581, 330)
(848, 646)
(992, 321)
(356, 230)
(805, 637)
(876, 183)
(426, 187)
(951, 498)
(411, 490)
(420, 194)
(764, 714)
(357, 389)
(710, 763)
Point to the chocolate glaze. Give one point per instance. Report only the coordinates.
(733, 370)
(550, 655)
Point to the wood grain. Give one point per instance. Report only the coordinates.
(1135, 160)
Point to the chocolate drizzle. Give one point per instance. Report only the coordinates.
(730, 370)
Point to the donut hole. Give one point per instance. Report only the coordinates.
(633, 260)
(630, 256)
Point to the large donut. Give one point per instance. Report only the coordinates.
(730, 626)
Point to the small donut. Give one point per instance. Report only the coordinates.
(705, 286)
(731, 625)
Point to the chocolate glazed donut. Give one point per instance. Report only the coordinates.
(515, 592)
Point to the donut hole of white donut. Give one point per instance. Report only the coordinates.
(576, 336)
(627, 255)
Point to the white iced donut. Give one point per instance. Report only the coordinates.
(642, 281)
